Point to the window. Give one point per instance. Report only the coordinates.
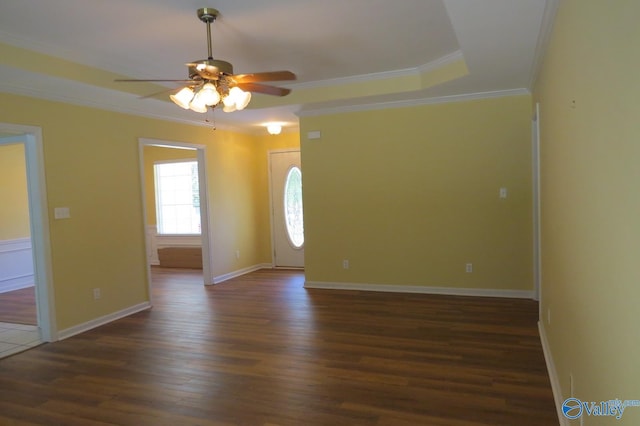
(293, 207)
(177, 197)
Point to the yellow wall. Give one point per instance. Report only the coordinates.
(241, 211)
(588, 92)
(92, 166)
(240, 198)
(151, 155)
(264, 144)
(410, 195)
(14, 202)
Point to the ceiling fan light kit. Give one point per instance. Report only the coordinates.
(183, 97)
(209, 94)
(212, 82)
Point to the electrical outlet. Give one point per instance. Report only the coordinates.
(96, 294)
(237, 254)
(345, 264)
(468, 267)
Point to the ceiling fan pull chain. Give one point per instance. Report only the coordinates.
(213, 119)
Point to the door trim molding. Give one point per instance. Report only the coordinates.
(205, 223)
(31, 138)
(537, 230)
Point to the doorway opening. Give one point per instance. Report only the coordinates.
(174, 188)
(25, 261)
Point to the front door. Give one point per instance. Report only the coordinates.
(286, 202)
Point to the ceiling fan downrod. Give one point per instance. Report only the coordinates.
(208, 15)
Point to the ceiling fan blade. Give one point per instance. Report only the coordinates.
(264, 76)
(263, 88)
(132, 80)
(162, 92)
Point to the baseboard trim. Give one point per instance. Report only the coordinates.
(81, 328)
(450, 291)
(553, 375)
(240, 272)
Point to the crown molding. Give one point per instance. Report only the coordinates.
(104, 104)
(428, 67)
(440, 62)
(140, 112)
(146, 112)
(544, 36)
(414, 102)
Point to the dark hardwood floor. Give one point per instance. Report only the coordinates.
(19, 306)
(262, 350)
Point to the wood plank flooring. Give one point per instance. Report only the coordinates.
(19, 306)
(262, 350)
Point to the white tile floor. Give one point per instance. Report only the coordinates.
(16, 338)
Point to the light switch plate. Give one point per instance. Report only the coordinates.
(314, 135)
(61, 213)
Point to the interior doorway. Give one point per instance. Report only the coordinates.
(180, 247)
(35, 243)
(17, 286)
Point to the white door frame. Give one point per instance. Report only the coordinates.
(205, 224)
(273, 236)
(31, 137)
(535, 145)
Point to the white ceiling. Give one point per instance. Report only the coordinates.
(327, 44)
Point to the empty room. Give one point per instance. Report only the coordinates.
(422, 212)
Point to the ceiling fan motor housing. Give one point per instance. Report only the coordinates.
(209, 69)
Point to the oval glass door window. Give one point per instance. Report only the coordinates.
(293, 207)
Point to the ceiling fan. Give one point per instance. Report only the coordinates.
(211, 82)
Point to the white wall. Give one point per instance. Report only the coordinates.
(16, 265)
